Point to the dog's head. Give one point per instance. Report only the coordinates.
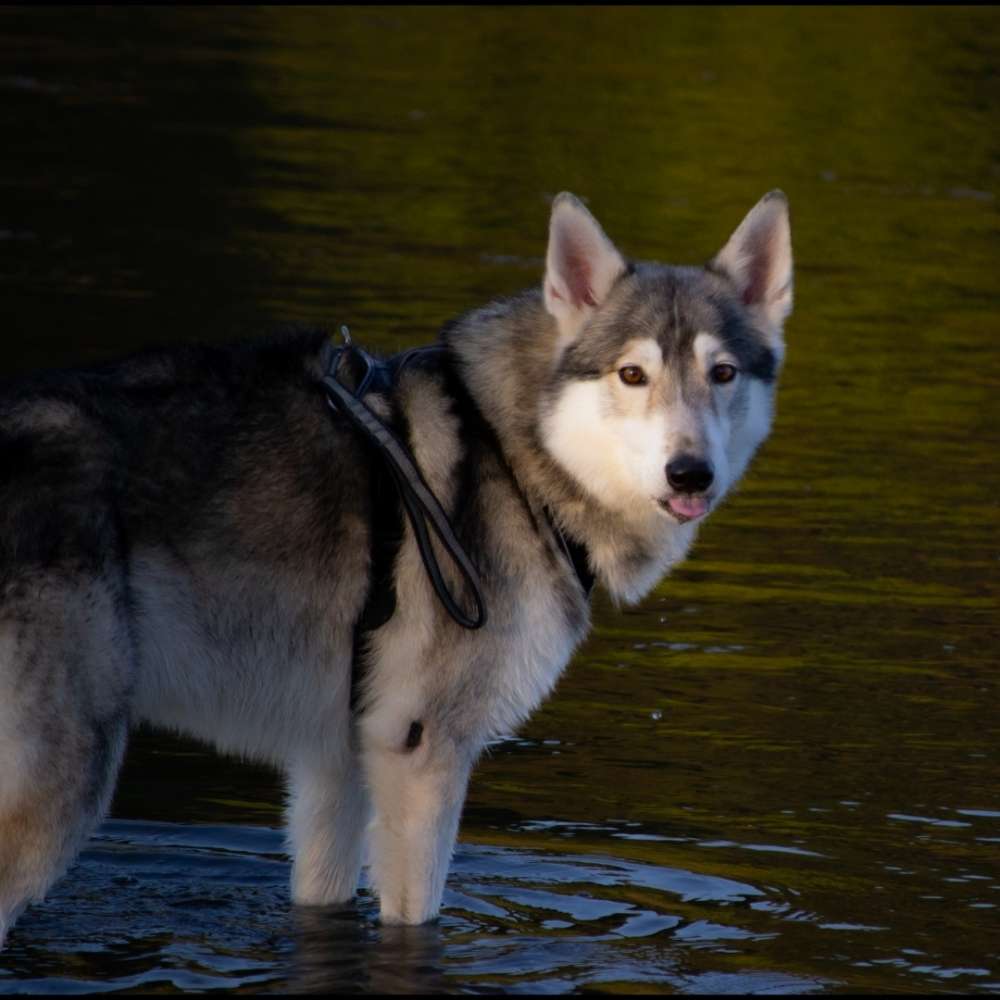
(664, 376)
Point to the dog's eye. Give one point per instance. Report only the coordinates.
(632, 375)
(724, 373)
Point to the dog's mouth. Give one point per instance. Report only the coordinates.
(685, 507)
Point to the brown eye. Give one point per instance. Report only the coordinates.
(723, 373)
(632, 375)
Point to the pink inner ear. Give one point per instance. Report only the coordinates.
(758, 269)
(577, 272)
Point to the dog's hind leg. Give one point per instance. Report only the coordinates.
(65, 674)
(327, 815)
(417, 788)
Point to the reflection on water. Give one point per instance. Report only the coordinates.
(780, 774)
(198, 907)
(546, 920)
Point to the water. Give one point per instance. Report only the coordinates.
(780, 773)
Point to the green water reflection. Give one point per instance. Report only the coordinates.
(808, 706)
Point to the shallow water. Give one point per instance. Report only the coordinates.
(780, 773)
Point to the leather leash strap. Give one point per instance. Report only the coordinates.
(422, 506)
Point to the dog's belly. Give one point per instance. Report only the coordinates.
(238, 660)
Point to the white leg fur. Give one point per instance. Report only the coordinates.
(327, 817)
(418, 800)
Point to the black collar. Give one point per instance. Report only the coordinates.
(577, 554)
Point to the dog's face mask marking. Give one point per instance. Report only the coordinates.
(663, 377)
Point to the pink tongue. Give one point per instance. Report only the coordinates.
(688, 506)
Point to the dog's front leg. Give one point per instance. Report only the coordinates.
(327, 816)
(418, 786)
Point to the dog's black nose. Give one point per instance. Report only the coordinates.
(688, 474)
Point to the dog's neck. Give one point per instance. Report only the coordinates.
(505, 353)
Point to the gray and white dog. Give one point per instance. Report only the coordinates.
(187, 538)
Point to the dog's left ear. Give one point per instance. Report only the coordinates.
(758, 259)
(580, 267)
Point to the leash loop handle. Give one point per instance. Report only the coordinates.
(422, 506)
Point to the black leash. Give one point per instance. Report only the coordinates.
(422, 507)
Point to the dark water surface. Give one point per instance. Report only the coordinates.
(780, 773)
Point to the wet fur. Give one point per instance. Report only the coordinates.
(184, 540)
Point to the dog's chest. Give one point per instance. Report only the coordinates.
(482, 684)
(548, 627)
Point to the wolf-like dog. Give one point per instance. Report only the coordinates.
(187, 538)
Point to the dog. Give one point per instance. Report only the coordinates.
(199, 539)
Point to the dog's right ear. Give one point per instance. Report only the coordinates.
(580, 267)
(758, 260)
